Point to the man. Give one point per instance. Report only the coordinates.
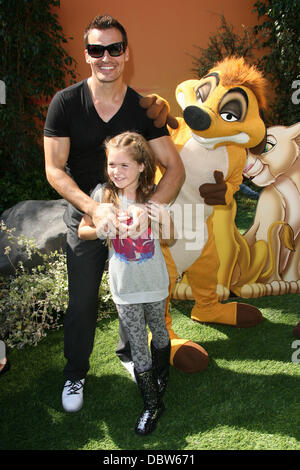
(79, 120)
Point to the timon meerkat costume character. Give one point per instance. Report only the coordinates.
(222, 117)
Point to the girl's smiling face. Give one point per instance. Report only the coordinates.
(124, 171)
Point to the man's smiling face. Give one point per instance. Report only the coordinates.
(106, 68)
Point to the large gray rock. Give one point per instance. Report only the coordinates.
(41, 220)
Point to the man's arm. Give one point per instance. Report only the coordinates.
(56, 155)
(174, 176)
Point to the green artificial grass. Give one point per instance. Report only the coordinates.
(247, 398)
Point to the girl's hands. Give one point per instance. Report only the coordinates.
(133, 222)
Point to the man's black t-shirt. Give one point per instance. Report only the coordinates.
(72, 114)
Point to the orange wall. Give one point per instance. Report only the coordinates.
(161, 34)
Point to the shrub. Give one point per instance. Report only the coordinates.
(224, 44)
(34, 301)
(31, 185)
(278, 35)
(31, 302)
(34, 64)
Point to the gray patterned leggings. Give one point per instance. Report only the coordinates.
(134, 318)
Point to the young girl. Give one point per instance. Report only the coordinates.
(139, 280)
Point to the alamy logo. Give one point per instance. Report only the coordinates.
(2, 92)
(189, 225)
(296, 354)
(2, 351)
(296, 95)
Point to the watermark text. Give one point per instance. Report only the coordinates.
(2, 92)
(296, 95)
(296, 354)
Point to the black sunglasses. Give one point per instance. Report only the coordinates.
(114, 50)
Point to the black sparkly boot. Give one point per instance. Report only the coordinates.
(153, 407)
(161, 365)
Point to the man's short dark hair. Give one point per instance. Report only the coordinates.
(105, 22)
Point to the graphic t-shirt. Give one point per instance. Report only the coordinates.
(137, 269)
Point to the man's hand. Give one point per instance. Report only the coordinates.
(214, 193)
(105, 220)
(158, 110)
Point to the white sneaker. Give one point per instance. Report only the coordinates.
(72, 395)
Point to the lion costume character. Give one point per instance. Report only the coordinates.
(222, 116)
(277, 170)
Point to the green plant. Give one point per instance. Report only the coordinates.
(33, 65)
(31, 302)
(34, 301)
(31, 185)
(278, 34)
(224, 44)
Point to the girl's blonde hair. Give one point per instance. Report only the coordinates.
(137, 146)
